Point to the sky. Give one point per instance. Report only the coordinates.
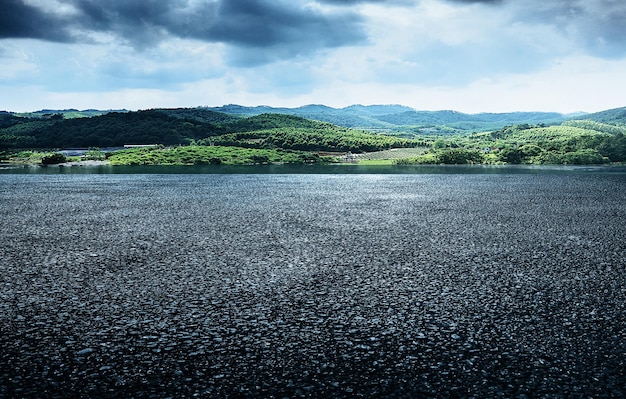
(466, 55)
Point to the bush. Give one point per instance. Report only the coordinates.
(53, 159)
(260, 159)
(459, 156)
(584, 157)
(548, 158)
(511, 155)
(530, 150)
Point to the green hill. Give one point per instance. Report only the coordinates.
(297, 133)
(185, 126)
(270, 121)
(358, 116)
(109, 130)
(264, 137)
(616, 116)
(67, 113)
(572, 142)
(202, 115)
(400, 118)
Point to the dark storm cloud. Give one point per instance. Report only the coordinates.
(139, 23)
(19, 20)
(112, 14)
(288, 26)
(257, 23)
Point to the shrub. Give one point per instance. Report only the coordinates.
(261, 158)
(53, 159)
(584, 157)
(530, 150)
(511, 155)
(459, 156)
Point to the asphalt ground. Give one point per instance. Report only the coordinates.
(397, 286)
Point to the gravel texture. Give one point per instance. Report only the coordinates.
(398, 286)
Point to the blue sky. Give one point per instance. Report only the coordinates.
(470, 56)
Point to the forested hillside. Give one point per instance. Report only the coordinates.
(395, 118)
(109, 130)
(612, 116)
(188, 126)
(67, 113)
(576, 142)
(202, 135)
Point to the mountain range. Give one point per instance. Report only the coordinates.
(394, 117)
(517, 137)
(390, 117)
(71, 127)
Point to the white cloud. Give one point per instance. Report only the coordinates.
(570, 85)
(428, 54)
(17, 64)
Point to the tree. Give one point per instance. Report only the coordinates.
(458, 156)
(262, 159)
(53, 159)
(584, 157)
(439, 144)
(511, 155)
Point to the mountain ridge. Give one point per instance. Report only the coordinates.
(518, 137)
(393, 118)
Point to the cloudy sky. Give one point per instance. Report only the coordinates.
(467, 55)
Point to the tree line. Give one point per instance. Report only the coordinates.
(574, 142)
(184, 127)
